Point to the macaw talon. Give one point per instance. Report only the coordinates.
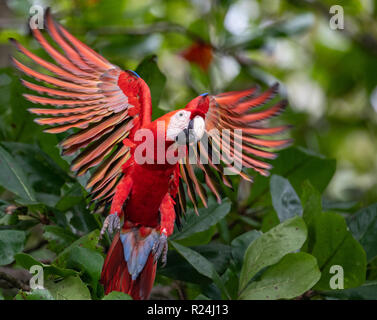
(161, 248)
(112, 224)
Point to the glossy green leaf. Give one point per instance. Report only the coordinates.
(70, 288)
(292, 276)
(88, 261)
(271, 246)
(335, 245)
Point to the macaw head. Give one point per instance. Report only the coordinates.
(188, 124)
(176, 128)
(183, 126)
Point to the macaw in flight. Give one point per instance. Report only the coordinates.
(107, 107)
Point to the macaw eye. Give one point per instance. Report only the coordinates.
(180, 114)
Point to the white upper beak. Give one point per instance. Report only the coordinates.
(198, 127)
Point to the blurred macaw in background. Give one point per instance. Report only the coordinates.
(199, 53)
(109, 106)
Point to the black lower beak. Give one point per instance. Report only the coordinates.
(186, 135)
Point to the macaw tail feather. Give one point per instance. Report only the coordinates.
(129, 266)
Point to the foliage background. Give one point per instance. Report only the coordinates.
(329, 177)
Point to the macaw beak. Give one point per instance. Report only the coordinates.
(193, 133)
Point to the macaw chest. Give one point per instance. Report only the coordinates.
(148, 190)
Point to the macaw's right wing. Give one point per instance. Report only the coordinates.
(241, 114)
(105, 103)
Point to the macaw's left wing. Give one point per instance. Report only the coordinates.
(103, 103)
(235, 133)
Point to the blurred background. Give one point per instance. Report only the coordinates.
(329, 76)
(185, 48)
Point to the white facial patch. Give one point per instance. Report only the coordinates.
(198, 127)
(177, 123)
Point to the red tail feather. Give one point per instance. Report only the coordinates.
(115, 275)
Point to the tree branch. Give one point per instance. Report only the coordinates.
(159, 27)
(169, 27)
(13, 282)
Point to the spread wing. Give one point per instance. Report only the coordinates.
(100, 101)
(232, 111)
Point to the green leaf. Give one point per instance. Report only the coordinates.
(269, 220)
(363, 225)
(199, 238)
(44, 176)
(240, 244)
(335, 245)
(201, 264)
(27, 261)
(11, 242)
(207, 218)
(116, 295)
(71, 196)
(70, 288)
(284, 198)
(83, 219)
(312, 203)
(230, 279)
(88, 261)
(58, 238)
(151, 74)
(37, 294)
(368, 291)
(292, 276)
(271, 246)
(89, 241)
(178, 268)
(13, 178)
(297, 165)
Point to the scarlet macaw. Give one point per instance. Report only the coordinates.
(109, 106)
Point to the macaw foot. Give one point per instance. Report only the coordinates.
(112, 224)
(161, 248)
